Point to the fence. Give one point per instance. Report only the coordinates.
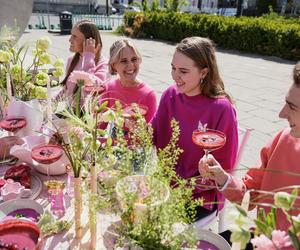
(51, 22)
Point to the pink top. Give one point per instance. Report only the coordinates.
(218, 113)
(281, 154)
(140, 94)
(87, 63)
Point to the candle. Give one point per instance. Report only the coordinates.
(8, 87)
(49, 106)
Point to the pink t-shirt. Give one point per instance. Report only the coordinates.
(140, 94)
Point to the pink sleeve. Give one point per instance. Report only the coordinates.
(151, 103)
(100, 70)
(253, 178)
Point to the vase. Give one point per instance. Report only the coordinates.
(92, 210)
(78, 207)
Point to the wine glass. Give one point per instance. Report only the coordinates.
(208, 140)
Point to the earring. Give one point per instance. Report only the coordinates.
(201, 80)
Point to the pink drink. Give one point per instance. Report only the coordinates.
(20, 234)
(47, 154)
(129, 110)
(209, 140)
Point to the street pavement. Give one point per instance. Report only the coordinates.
(258, 84)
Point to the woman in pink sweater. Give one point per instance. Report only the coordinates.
(86, 43)
(198, 94)
(125, 61)
(278, 159)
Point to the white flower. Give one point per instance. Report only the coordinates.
(239, 235)
(43, 43)
(59, 71)
(42, 78)
(283, 200)
(5, 56)
(45, 58)
(59, 63)
(40, 92)
(108, 116)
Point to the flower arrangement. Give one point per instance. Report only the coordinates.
(26, 80)
(264, 227)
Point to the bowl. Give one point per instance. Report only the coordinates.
(21, 234)
(23, 209)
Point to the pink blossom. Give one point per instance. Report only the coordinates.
(87, 79)
(281, 239)
(262, 242)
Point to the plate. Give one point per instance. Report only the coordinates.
(36, 183)
(12, 205)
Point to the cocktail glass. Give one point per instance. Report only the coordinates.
(209, 140)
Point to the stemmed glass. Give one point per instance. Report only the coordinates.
(209, 140)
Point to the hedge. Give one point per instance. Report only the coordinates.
(256, 35)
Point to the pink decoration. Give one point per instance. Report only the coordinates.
(13, 190)
(84, 77)
(280, 240)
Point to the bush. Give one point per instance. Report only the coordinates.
(257, 35)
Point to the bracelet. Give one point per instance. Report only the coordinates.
(221, 189)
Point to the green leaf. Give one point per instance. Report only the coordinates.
(294, 195)
(263, 228)
(294, 240)
(241, 210)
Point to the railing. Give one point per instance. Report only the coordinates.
(51, 22)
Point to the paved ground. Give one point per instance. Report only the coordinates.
(258, 84)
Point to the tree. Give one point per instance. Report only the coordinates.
(263, 6)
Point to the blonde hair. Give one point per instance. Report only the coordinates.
(202, 52)
(116, 50)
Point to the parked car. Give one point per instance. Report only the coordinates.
(132, 8)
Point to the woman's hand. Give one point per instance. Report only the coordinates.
(89, 45)
(210, 167)
(6, 143)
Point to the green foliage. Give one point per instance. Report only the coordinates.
(145, 5)
(155, 6)
(262, 35)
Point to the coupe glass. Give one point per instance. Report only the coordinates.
(208, 140)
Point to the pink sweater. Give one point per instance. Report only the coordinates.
(281, 154)
(87, 63)
(140, 94)
(188, 110)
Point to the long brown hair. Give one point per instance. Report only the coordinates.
(296, 74)
(202, 52)
(88, 29)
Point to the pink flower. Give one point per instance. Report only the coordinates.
(281, 239)
(87, 79)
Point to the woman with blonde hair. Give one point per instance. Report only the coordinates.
(125, 62)
(198, 94)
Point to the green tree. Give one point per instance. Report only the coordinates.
(263, 6)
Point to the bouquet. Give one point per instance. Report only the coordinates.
(28, 80)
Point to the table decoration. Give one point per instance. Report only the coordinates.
(18, 234)
(21, 209)
(267, 235)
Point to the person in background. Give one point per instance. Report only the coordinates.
(278, 159)
(125, 61)
(198, 94)
(86, 44)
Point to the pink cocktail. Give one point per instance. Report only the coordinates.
(208, 140)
